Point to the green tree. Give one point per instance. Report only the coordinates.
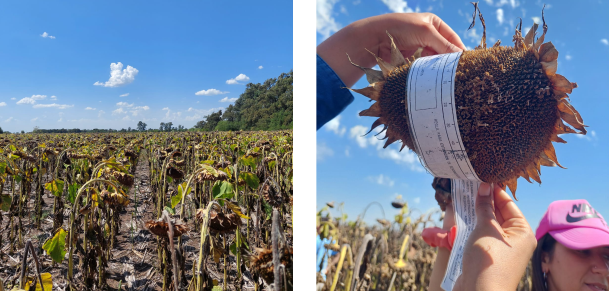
(230, 114)
(212, 120)
(141, 126)
(200, 124)
(266, 106)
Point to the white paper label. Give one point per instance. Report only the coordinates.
(464, 194)
(435, 132)
(433, 117)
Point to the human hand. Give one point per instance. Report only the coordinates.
(498, 250)
(410, 31)
(441, 263)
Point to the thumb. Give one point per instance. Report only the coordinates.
(485, 211)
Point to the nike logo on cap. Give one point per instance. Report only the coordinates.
(572, 219)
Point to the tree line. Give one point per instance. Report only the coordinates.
(266, 106)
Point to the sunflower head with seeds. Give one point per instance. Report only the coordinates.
(510, 105)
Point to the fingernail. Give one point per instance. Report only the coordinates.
(484, 190)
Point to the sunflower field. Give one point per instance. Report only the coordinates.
(387, 255)
(146, 211)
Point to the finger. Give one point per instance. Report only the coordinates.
(427, 51)
(437, 42)
(459, 284)
(484, 204)
(506, 206)
(447, 32)
(498, 214)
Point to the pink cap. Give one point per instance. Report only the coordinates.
(574, 224)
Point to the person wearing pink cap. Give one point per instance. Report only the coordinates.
(572, 248)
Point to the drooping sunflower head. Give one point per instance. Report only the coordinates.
(510, 104)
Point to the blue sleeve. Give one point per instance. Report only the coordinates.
(332, 97)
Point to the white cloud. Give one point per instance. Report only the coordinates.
(34, 119)
(167, 108)
(53, 97)
(2, 104)
(568, 57)
(334, 126)
(347, 152)
(54, 105)
(326, 24)
(236, 80)
(138, 109)
(135, 111)
(399, 6)
(100, 113)
(323, 151)
(226, 99)
(343, 10)
(13, 98)
(405, 157)
(118, 111)
(198, 113)
(45, 35)
(118, 76)
(382, 180)
(591, 136)
(124, 104)
(416, 200)
(90, 108)
(170, 115)
(9, 119)
(31, 100)
(60, 117)
(500, 3)
(472, 35)
(124, 95)
(605, 41)
(210, 92)
(500, 15)
(536, 19)
(260, 67)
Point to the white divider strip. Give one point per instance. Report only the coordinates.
(432, 113)
(464, 194)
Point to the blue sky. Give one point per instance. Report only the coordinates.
(356, 170)
(110, 64)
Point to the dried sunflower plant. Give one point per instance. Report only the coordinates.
(142, 211)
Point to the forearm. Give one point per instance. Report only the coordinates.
(441, 263)
(439, 269)
(353, 40)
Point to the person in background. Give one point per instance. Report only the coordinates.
(572, 248)
(410, 31)
(324, 255)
